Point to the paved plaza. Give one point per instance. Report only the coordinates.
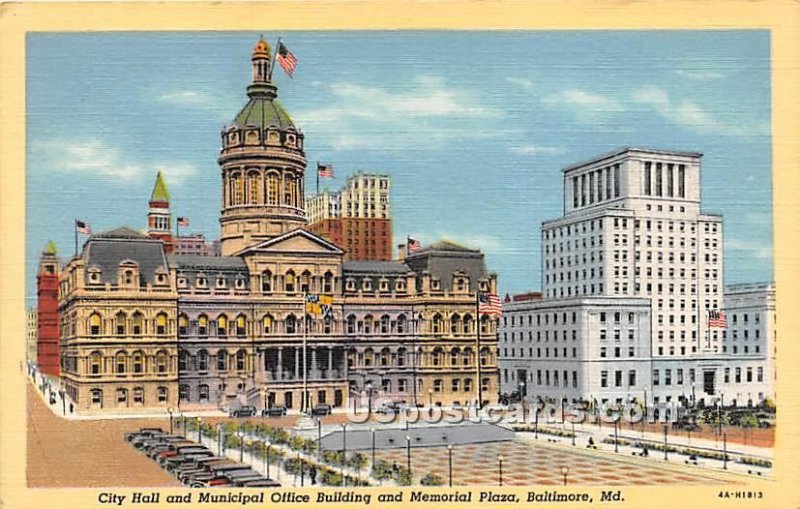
(540, 464)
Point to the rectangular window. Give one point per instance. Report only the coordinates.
(659, 183)
(655, 377)
(681, 181)
(631, 378)
(604, 379)
(648, 188)
(670, 189)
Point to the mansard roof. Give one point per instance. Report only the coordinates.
(211, 263)
(355, 267)
(107, 250)
(443, 259)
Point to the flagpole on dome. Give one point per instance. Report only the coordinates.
(318, 166)
(274, 58)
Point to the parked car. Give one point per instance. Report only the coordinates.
(322, 409)
(245, 411)
(274, 411)
(143, 432)
(388, 408)
(266, 483)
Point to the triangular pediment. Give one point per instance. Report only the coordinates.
(295, 241)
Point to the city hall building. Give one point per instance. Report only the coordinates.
(630, 275)
(143, 329)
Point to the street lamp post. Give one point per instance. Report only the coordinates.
(200, 431)
(369, 398)
(500, 468)
(170, 411)
(185, 423)
(725, 451)
(666, 458)
(319, 438)
(430, 402)
(344, 454)
(219, 439)
(644, 417)
(450, 464)
(536, 423)
(522, 399)
(408, 457)
(373, 447)
(240, 434)
(616, 441)
(565, 472)
(573, 432)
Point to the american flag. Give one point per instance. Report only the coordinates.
(717, 319)
(285, 58)
(183, 221)
(489, 303)
(413, 245)
(325, 170)
(83, 227)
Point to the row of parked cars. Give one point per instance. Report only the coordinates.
(276, 411)
(194, 464)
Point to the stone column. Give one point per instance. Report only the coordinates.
(313, 361)
(297, 352)
(280, 363)
(330, 361)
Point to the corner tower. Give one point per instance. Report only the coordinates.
(262, 163)
(159, 218)
(48, 348)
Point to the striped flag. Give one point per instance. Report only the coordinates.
(489, 303)
(717, 319)
(413, 245)
(325, 170)
(183, 221)
(83, 227)
(287, 61)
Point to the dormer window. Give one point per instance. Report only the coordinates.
(351, 284)
(161, 278)
(366, 285)
(202, 282)
(484, 286)
(291, 140)
(435, 285)
(221, 282)
(94, 275)
(384, 285)
(400, 285)
(239, 283)
(181, 282)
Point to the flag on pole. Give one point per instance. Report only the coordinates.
(489, 303)
(717, 319)
(413, 245)
(183, 221)
(287, 61)
(83, 227)
(319, 305)
(325, 170)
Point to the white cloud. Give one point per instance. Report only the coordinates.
(522, 82)
(96, 157)
(535, 150)
(750, 247)
(426, 112)
(587, 107)
(186, 97)
(700, 75)
(688, 114)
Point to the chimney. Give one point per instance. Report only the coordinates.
(401, 252)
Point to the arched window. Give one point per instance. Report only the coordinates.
(385, 356)
(291, 324)
(484, 356)
(202, 393)
(241, 325)
(163, 394)
(385, 324)
(455, 321)
(183, 357)
(272, 189)
(202, 360)
(468, 357)
(266, 281)
(254, 187)
(368, 324)
(289, 282)
(401, 356)
(351, 324)
(289, 191)
(183, 392)
(119, 323)
(454, 356)
(138, 323)
(222, 326)
(401, 324)
(268, 320)
(436, 323)
(437, 356)
(202, 325)
(161, 324)
(183, 324)
(222, 360)
(237, 189)
(121, 363)
(138, 362)
(467, 324)
(327, 285)
(95, 363)
(305, 282)
(368, 357)
(161, 361)
(240, 360)
(484, 324)
(94, 324)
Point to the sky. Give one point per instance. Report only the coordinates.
(472, 127)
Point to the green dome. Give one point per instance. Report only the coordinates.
(263, 112)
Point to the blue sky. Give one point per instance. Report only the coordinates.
(473, 127)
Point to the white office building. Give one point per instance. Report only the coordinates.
(633, 234)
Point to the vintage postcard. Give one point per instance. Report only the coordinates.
(348, 255)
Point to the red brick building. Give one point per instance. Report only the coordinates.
(361, 238)
(47, 346)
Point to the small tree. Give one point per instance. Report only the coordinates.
(431, 479)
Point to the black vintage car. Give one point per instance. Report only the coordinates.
(322, 409)
(245, 411)
(274, 411)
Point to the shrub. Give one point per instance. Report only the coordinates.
(431, 479)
